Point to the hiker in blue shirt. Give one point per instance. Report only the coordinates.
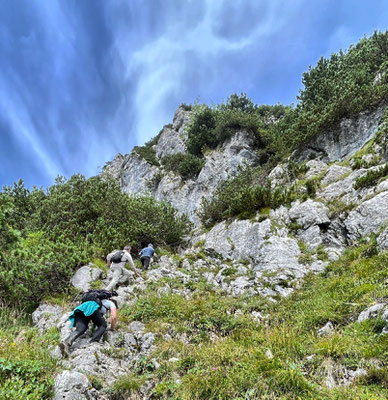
(145, 256)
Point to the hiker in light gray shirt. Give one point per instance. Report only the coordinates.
(116, 261)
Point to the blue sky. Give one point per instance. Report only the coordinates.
(83, 80)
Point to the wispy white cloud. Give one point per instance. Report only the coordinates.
(163, 61)
(84, 80)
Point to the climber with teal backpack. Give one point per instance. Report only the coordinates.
(94, 304)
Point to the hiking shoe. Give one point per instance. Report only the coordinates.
(65, 349)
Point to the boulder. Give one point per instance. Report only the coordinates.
(311, 236)
(334, 173)
(309, 213)
(368, 217)
(72, 385)
(46, 316)
(85, 276)
(239, 240)
(315, 168)
(326, 330)
(280, 254)
(370, 312)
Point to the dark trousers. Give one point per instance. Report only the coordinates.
(145, 262)
(82, 322)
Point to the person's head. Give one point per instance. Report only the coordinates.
(150, 245)
(127, 248)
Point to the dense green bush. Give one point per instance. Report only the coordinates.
(97, 210)
(200, 130)
(240, 196)
(75, 220)
(37, 267)
(371, 177)
(210, 127)
(186, 165)
(24, 379)
(148, 153)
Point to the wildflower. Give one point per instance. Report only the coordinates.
(214, 368)
(13, 344)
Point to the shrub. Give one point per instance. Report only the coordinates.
(240, 196)
(24, 379)
(371, 177)
(186, 165)
(38, 267)
(96, 210)
(200, 130)
(148, 153)
(76, 220)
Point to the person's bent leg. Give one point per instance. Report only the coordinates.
(81, 325)
(125, 275)
(100, 323)
(115, 277)
(146, 263)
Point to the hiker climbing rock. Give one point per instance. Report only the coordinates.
(116, 261)
(145, 256)
(94, 305)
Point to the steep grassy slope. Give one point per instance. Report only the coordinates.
(210, 347)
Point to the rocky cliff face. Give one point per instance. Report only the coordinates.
(136, 176)
(290, 241)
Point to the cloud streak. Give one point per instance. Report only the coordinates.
(81, 81)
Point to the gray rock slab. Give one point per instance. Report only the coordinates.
(334, 173)
(382, 240)
(309, 213)
(84, 276)
(169, 143)
(348, 137)
(368, 217)
(315, 168)
(343, 187)
(239, 240)
(136, 174)
(326, 330)
(311, 236)
(72, 385)
(280, 254)
(370, 312)
(46, 316)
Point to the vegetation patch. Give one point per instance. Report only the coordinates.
(371, 178)
(186, 165)
(47, 235)
(240, 196)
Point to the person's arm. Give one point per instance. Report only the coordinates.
(113, 314)
(108, 257)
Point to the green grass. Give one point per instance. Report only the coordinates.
(26, 366)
